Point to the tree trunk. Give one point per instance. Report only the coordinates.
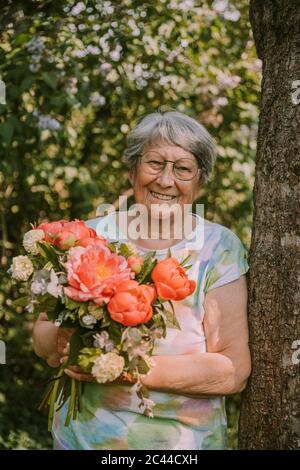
(270, 413)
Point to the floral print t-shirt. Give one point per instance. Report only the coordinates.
(110, 418)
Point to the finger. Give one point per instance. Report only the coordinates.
(76, 369)
(80, 376)
(66, 350)
(63, 359)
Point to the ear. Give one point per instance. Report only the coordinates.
(131, 175)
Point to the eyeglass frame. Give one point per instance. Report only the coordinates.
(140, 156)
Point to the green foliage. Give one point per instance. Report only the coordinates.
(87, 357)
(77, 77)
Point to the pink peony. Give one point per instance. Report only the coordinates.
(98, 240)
(65, 234)
(94, 273)
(135, 263)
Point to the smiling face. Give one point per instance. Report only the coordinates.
(164, 187)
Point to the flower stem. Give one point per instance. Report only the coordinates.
(79, 391)
(52, 399)
(71, 402)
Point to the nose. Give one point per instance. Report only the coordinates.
(166, 178)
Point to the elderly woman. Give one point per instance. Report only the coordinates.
(171, 156)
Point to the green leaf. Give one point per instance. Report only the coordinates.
(115, 332)
(149, 263)
(21, 39)
(83, 309)
(21, 301)
(51, 79)
(143, 367)
(50, 305)
(112, 246)
(124, 250)
(76, 344)
(71, 304)
(87, 357)
(171, 320)
(26, 83)
(48, 252)
(7, 131)
(184, 260)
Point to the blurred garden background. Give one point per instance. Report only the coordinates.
(78, 75)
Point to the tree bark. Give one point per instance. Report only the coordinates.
(270, 412)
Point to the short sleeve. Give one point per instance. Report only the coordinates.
(228, 261)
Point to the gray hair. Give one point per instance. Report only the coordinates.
(174, 128)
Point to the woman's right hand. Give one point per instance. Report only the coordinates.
(63, 341)
(62, 347)
(49, 341)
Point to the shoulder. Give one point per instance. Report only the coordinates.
(219, 236)
(227, 257)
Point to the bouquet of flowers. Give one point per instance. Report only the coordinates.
(114, 300)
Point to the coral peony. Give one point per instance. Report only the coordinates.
(94, 273)
(131, 304)
(171, 280)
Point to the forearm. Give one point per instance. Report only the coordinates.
(193, 374)
(44, 342)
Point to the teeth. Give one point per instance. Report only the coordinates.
(162, 196)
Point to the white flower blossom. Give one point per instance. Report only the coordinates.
(108, 367)
(34, 67)
(30, 239)
(78, 8)
(102, 341)
(148, 407)
(88, 321)
(35, 45)
(220, 5)
(93, 50)
(107, 8)
(30, 306)
(232, 15)
(185, 5)
(96, 99)
(39, 287)
(36, 58)
(71, 86)
(105, 67)
(80, 53)
(72, 27)
(221, 101)
(45, 122)
(21, 268)
(54, 288)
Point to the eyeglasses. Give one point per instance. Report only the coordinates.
(184, 169)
